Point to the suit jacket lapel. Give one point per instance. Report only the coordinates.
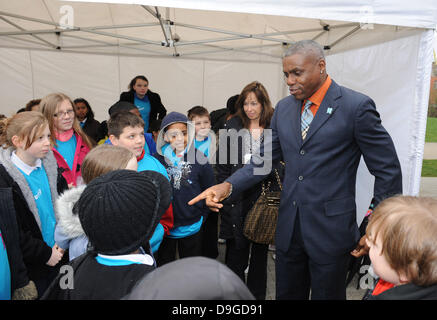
(326, 110)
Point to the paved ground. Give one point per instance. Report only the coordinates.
(430, 151)
(428, 187)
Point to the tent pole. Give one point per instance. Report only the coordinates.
(34, 36)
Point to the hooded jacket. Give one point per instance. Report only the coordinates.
(189, 176)
(34, 250)
(69, 233)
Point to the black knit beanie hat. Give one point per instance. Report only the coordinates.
(121, 209)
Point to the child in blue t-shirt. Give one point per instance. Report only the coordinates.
(205, 141)
(126, 130)
(29, 168)
(190, 173)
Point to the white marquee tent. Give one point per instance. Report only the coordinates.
(200, 52)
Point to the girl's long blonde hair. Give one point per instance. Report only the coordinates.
(49, 106)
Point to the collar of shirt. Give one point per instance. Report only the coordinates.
(24, 166)
(136, 258)
(319, 95)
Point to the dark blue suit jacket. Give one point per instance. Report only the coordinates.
(320, 172)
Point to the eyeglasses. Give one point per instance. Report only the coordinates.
(63, 114)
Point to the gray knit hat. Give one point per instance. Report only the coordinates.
(121, 209)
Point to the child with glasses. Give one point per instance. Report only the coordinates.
(70, 143)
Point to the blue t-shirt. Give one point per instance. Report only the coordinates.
(5, 272)
(144, 107)
(186, 231)
(67, 149)
(203, 145)
(151, 163)
(39, 185)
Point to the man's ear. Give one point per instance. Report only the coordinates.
(17, 142)
(322, 65)
(113, 139)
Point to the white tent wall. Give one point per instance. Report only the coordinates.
(389, 78)
(182, 83)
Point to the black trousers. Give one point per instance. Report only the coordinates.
(297, 274)
(186, 247)
(238, 259)
(210, 236)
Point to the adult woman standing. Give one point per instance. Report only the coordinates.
(70, 143)
(148, 103)
(254, 112)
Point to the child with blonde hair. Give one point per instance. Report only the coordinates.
(402, 236)
(28, 169)
(70, 143)
(102, 159)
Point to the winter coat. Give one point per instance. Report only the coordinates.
(11, 237)
(407, 291)
(157, 109)
(91, 128)
(71, 175)
(69, 233)
(95, 281)
(189, 178)
(236, 207)
(34, 250)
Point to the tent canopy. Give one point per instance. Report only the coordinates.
(200, 52)
(179, 29)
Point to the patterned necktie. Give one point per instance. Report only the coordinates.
(306, 118)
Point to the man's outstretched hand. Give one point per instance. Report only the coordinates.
(213, 195)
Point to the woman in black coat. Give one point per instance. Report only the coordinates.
(254, 112)
(148, 103)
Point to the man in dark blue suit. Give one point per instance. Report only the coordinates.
(322, 129)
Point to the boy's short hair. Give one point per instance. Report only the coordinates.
(407, 227)
(197, 111)
(121, 120)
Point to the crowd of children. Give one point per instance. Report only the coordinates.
(117, 209)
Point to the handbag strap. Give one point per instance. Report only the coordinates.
(278, 179)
